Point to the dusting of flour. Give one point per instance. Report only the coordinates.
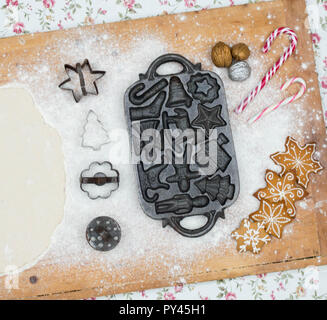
(143, 238)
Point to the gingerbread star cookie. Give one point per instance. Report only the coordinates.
(273, 216)
(282, 188)
(298, 158)
(250, 236)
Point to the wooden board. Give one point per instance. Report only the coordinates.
(308, 243)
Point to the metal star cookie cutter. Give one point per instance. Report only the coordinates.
(97, 180)
(79, 70)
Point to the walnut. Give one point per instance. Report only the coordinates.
(240, 51)
(221, 55)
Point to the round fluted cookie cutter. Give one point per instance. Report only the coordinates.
(103, 233)
(98, 175)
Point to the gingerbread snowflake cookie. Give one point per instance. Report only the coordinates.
(274, 217)
(299, 159)
(282, 188)
(250, 236)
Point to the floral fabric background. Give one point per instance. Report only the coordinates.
(27, 16)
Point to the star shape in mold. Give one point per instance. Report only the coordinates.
(208, 118)
(81, 80)
(282, 188)
(299, 159)
(273, 216)
(203, 86)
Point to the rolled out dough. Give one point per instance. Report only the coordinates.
(32, 187)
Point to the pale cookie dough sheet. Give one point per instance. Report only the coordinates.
(32, 191)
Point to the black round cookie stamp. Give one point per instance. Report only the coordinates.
(103, 233)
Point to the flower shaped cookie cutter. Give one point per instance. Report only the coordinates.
(99, 180)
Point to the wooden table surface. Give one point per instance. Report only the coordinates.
(306, 245)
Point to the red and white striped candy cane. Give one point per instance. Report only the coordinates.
(274, 68)
(285, 101)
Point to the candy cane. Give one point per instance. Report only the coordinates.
(284, 101)
(274, 68)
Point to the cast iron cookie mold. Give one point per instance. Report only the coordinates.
(183, 175)
(223, 158)
(136, 98)
(177, 94)
(181, 203)
(217, 188)
(203, 87)
(150, 180)
(151, 111)
(190, 100)
(144, 125)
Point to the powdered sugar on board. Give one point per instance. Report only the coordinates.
(144, 239)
